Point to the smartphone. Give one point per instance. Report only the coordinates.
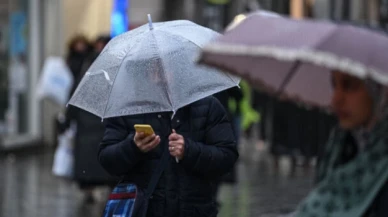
(144, 128)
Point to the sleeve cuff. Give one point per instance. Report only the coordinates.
(188, 160)
(130, 149)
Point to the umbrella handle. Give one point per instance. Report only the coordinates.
(176, 158)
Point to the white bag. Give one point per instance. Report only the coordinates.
(56, 81)
(63, 165)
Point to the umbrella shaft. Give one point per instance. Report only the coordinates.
(291, 73)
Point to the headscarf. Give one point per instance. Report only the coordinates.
(379, 96)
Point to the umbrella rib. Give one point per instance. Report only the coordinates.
(164, 75)
(289, 76)
(114, 80)
(228, 74)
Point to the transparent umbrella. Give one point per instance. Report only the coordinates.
(150, 69)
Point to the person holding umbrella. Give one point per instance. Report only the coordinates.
(165, 135)
(339, 67)
(202, 140)
(350, 175)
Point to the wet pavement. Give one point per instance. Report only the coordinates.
(28, 189)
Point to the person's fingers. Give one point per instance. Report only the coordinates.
(176, 152)
(152, 144)
(175, 143)
(173, 137)
(139, 136)
(180, 140)
(172, 145)
(172, 151)
(175, 147)
(147, 139)
(155, 142)
(144, 143)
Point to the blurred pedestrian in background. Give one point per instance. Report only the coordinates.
(96, 48)
(78, 50)
(88, 173)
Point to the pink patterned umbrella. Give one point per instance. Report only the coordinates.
(295, 57)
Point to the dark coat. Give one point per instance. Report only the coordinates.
(379, 208)
(185, 188)
(87, 170)
(280, 128)
(90, 130)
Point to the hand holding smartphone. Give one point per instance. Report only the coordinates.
(145, 138)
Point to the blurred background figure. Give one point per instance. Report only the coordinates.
(97, 47)
(89, 129)
(101, 42)
(94, 49)
(78, 50)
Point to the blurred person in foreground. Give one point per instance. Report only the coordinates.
(200, 136)
(352, 175)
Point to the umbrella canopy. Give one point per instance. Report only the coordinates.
(295, 57)
(239, 18)
(150, 69)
